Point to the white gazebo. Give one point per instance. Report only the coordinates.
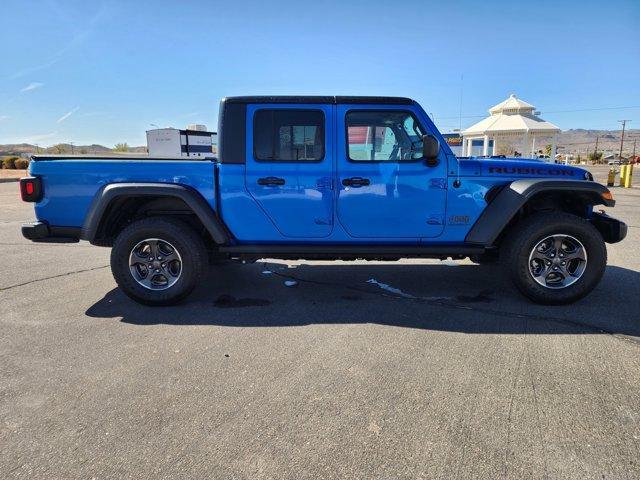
(514, 123)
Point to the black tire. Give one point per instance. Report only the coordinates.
(525, 236)
(190, 247)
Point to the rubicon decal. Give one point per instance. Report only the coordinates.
(557, 172)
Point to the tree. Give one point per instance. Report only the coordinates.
(83, 151)
(505, 148)
(59, 149)
(121, 147)
(595, 157)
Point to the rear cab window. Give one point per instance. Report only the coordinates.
(288, 135)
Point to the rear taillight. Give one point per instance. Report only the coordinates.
(31, 189)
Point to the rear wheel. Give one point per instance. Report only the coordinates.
(555, 258)
(158, 261)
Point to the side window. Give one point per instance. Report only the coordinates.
(383, 136)
(288, 135)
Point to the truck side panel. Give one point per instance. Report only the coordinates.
(70, 185)
(250, 225)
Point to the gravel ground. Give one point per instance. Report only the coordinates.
(331, 377)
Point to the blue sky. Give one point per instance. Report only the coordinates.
(92, 71)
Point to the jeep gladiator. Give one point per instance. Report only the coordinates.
(310, 177)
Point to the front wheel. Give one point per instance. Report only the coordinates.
(555, 258)
(158, 261)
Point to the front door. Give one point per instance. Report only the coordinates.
(289, 167)
(385, 188)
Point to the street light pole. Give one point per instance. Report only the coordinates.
(624, 123)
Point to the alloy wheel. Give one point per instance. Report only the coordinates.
(155, 264)
(557, 261)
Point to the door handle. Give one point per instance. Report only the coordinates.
(271, 181)
(356, 182)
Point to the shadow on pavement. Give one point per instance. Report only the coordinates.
(463, 298)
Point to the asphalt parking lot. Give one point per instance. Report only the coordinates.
(452, 375)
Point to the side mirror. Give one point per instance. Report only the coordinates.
(430, 150)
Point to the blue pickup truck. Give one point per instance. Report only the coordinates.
(314, 177)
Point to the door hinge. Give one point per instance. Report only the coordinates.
(435, 219)
(438, 183)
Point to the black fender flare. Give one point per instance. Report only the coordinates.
(188, 195)
(506, 204)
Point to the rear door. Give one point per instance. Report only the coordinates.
(385, 189)
(289, 166)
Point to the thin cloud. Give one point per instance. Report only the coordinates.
(32, 86)
(78, 38)
(39, 137)
(67, 115)
(4, 117)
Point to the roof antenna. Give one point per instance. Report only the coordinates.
(456, 182)
(461, 87)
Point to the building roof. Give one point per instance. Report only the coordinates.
(511, 116)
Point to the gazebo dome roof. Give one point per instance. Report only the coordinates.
(512, 105)
(511, 116)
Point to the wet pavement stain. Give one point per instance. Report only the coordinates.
(485, 296)
(229, 301)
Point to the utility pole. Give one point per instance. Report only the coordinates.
(71, 143)
(595, 151)
(624, 123)
(633, 155)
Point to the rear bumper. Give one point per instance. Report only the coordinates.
(611, 229)
(42, 232)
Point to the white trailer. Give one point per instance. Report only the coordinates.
(171, 142)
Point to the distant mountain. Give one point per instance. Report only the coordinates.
(26, 149)
(582, 141)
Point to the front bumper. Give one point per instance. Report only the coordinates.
(611, 229)
(42, 232)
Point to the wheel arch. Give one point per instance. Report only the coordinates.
(522, 197)
(115, 205)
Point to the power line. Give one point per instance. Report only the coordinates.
(550, 111)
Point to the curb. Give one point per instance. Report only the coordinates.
(7, 180)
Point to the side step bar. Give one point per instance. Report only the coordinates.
(350, 251)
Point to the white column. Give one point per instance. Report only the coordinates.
(527, 147)
(533, 147)
(470, 147)
(485, 146)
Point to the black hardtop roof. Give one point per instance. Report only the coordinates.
(319, 99)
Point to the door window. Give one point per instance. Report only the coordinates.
(288, 135)
(383, 136)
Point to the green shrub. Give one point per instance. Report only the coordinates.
(21, 163)
(9, 162)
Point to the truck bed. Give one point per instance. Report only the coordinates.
(71, 182)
